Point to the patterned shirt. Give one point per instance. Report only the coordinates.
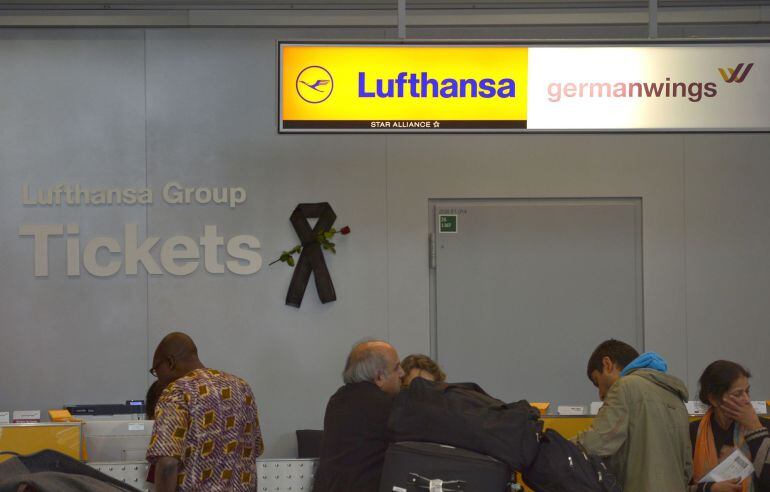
(208, 420)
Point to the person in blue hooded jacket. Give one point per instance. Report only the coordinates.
(643, 427)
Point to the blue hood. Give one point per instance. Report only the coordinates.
(648, 360)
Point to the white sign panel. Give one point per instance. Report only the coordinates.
(570, 410)
(698, 87)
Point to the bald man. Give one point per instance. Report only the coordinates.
(206, 434)
(354, 440)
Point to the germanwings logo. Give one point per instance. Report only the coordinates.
(735, 74)
(693, 91)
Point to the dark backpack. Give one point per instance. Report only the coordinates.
(561, 466)
(51, 471)
(463, 415)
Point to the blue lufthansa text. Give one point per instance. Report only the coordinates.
(414, 85)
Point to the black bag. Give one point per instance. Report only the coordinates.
(309, 443)
(51, 471)
(423, 467)
(463, 415)
(561, 466)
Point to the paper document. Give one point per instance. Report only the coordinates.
(737, 465)
(570, 410)
(696, 408)
(760, 407)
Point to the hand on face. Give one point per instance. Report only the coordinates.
(741, 411)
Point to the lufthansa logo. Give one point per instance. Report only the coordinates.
(315, 84)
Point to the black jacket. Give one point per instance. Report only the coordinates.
(757, 444)
(354, 440)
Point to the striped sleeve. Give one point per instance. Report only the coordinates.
(259, 444)
(759, 445)
(172, 421)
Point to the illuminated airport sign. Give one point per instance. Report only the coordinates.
(496, 87)
(403, 87)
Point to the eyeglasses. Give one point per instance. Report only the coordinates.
(154, 369)
(168, 359)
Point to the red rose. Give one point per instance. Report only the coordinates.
(345, 230)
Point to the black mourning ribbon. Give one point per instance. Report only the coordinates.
(311, 259)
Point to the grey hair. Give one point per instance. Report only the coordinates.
(365, 362)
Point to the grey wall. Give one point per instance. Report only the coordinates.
(135, 107)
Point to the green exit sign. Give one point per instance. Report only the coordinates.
(447, 223)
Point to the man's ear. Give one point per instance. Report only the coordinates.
(607, 365)
(379, 378)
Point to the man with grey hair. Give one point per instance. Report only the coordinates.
(354, 440)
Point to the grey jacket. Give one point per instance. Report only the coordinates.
(643, 427)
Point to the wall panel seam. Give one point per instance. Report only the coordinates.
(146, 209)
(684, 247)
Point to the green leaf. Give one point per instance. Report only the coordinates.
(290, 261)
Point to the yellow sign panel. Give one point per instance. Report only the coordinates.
(402, 87)
(31, 438)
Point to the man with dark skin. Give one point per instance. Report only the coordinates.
(175, 356)
(186, 453)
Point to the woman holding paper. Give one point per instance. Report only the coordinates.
(730, 424)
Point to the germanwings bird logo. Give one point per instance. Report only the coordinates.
(734, 74)
(316, 84)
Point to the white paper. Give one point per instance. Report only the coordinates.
(696, 408)
(595, 406)
(570, 410)
(5, 417)
(26, 415)
(737, 465)
(436, 485)
(760, 407)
